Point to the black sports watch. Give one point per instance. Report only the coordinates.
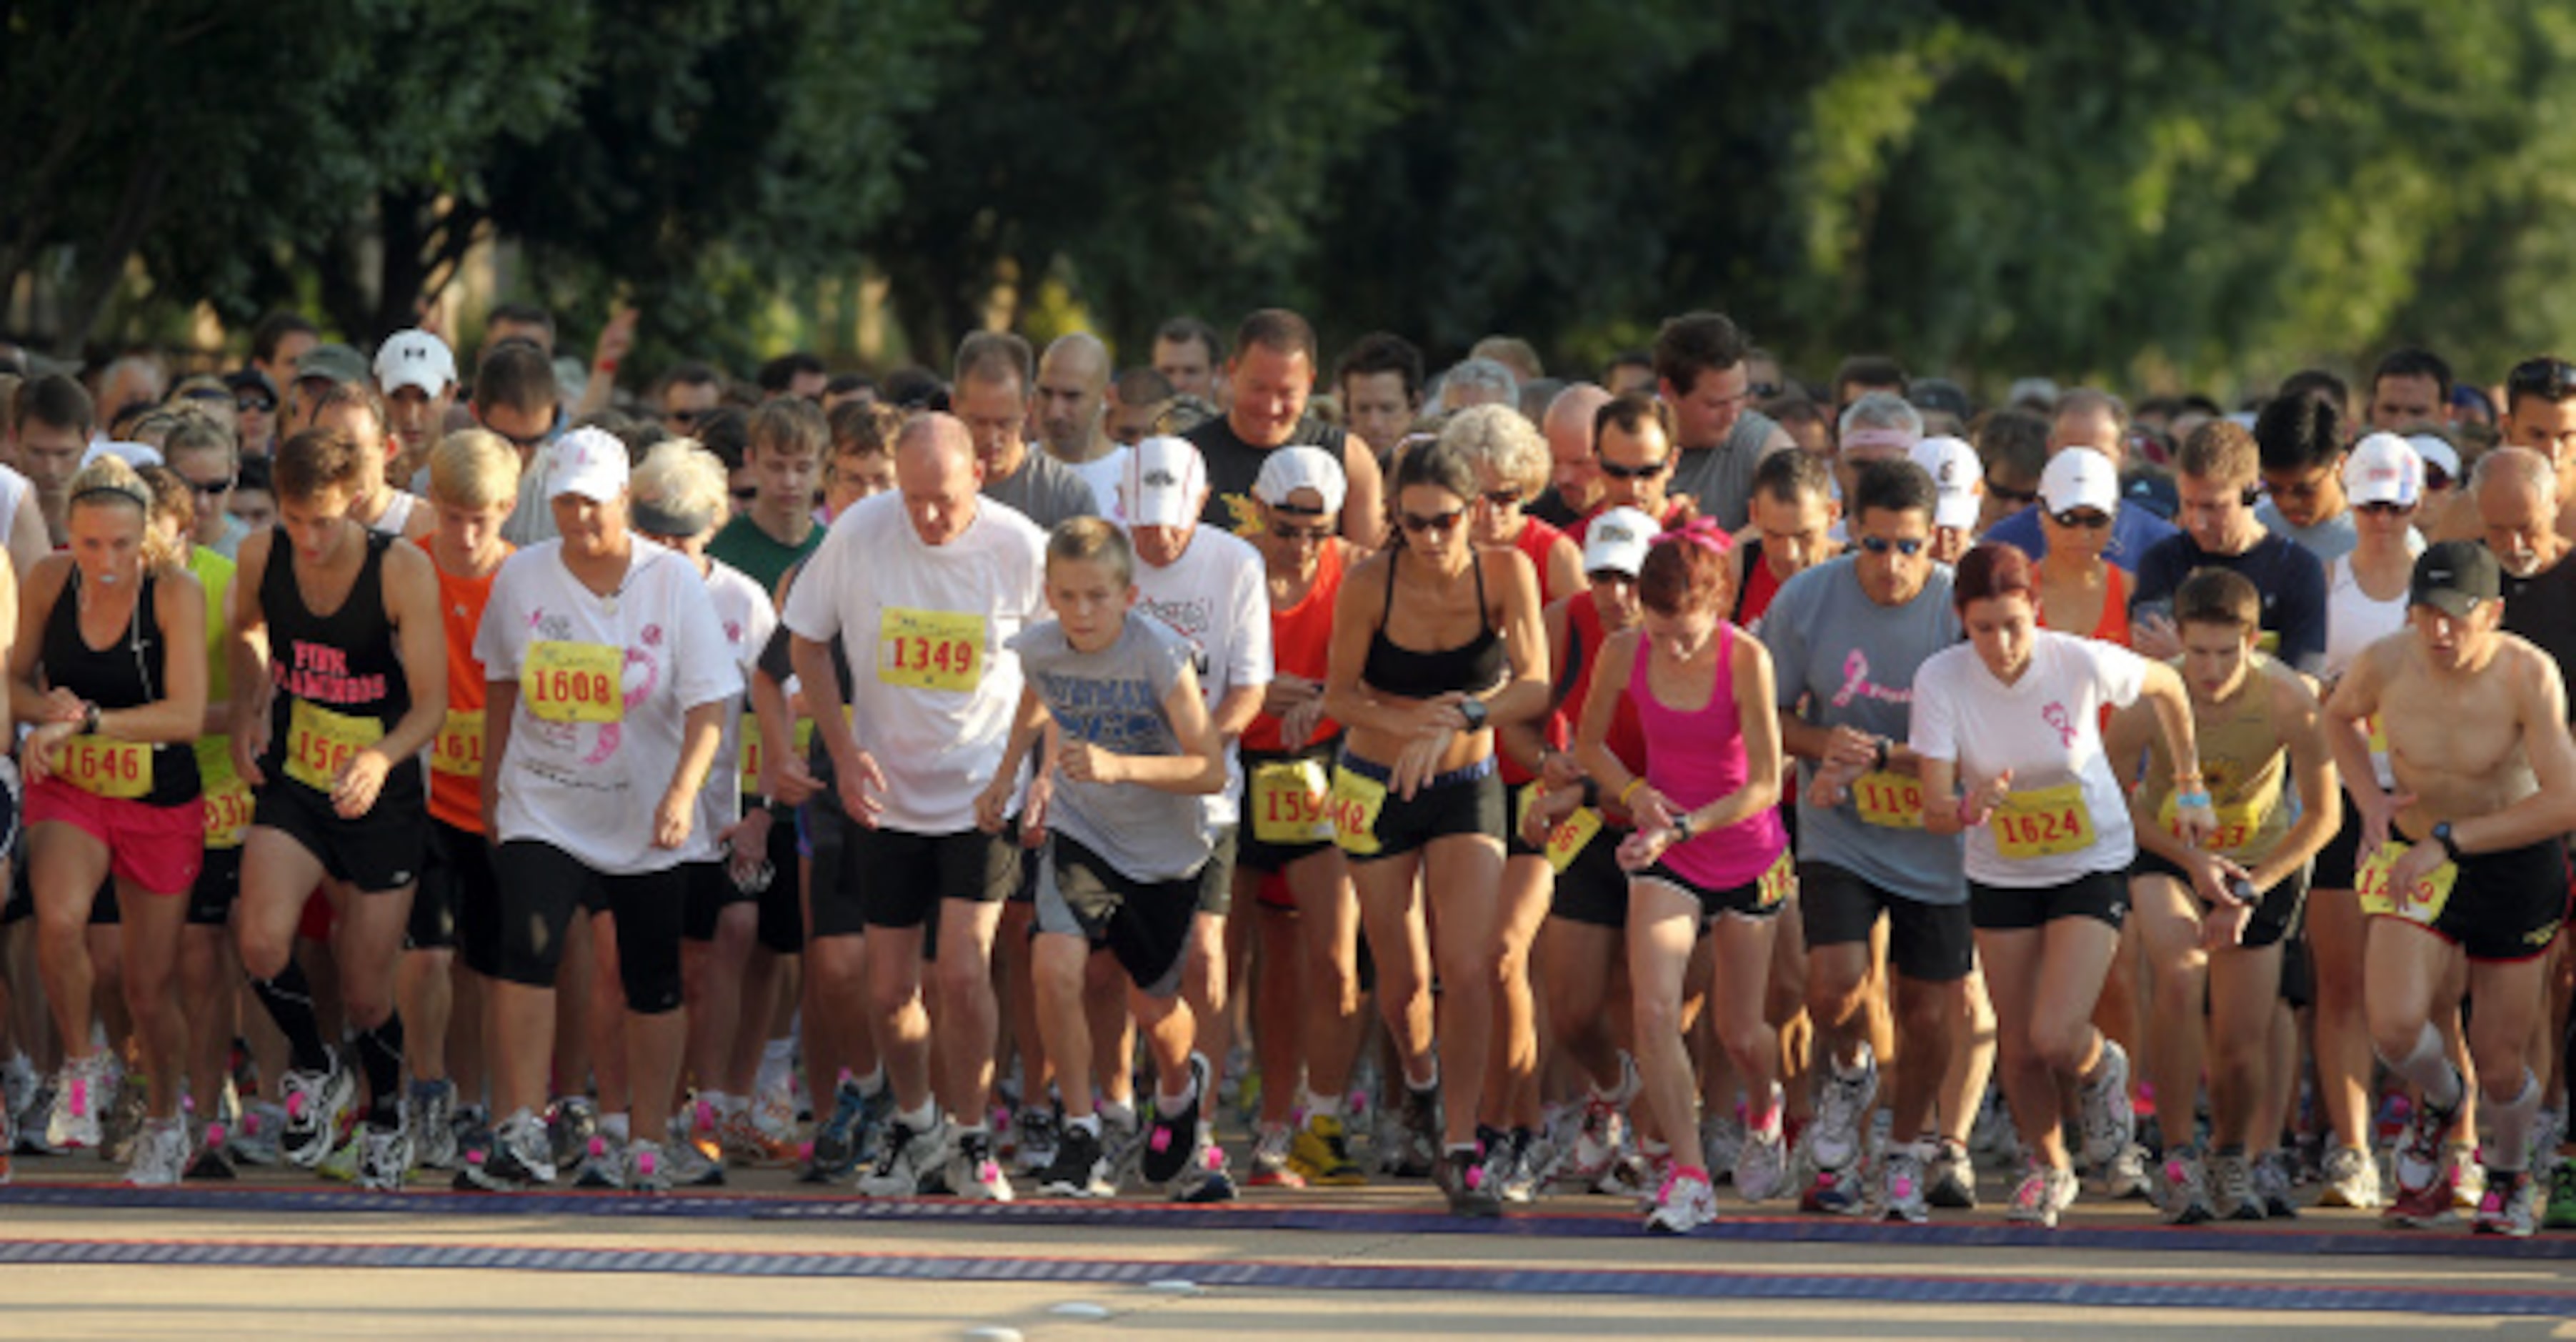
(1475, 712)
(2442, 836)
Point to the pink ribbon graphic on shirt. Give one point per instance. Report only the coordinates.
(2063, 721)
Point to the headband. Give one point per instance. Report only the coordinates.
(1703, 532)
(651, 518)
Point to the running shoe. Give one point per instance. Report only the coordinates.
(2185, 1198)
(1953, 1178)
(315, 1102)
(1205, 1179)
(745, 1141)
(1270, 1164)
(688, 1167)
(1835, 1193)
(2042, 1196)
(1901, 1184)
(160, 1153)
(1597, 1143)
(2468, 1177)
(908, 1155)
(519, 1157)
(2351, 1179)
(79, 1096)
(2561, 1214)
(341, 1166)
(1171, 1138)
(2124, 1177)
(2233, 1194)
(2424, 1190)
(1721, 1141)
(8, 1143)
(2110, 1124)
(836, 1141)
(602, 1166)
(1843, 1102)
(123, 1120)
(1520, 1178)
(1039, 1126)
(1320, 1154)
(646, 1171)
(1761, 1161)
(256, 1139)
(2272, 1185)
(1081, 1167)
(2507, 1207)
(429, 1113)
(1461, 1177)
(35, 1120)
(384, 1158)
(1122, 1141)
(569, 1128)
(1683, 1203)
(973, 1171)
(1411, 1149)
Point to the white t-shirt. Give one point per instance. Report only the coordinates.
(934, 684)
(605, 684)
(397, 516)
(744, 614)
(1102, 473)
(2046, 728)
(1218, 597)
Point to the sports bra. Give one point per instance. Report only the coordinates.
(1472, 667)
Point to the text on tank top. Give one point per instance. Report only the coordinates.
(339, 677)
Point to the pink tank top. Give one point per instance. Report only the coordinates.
(1698, 758)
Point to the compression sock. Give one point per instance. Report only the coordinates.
(380, 1052)
(2510, 1122)
(289, 999)
(2430, 1070)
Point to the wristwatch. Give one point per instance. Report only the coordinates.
(90, 714)
(1883, 752)
(1475, 712)
(1681, 829)
(2442, 836)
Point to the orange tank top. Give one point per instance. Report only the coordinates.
(456, 761)
(1301, 645)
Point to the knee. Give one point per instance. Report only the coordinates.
(2063, 1045)
(2392, 1035)
(651, 981)
(1744, 1040)
(2181, 981)
(1658, 1019)
(890, 995)
(1834, 992)
(263, 957)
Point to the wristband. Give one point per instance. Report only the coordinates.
(2197, 800)
(604, 366)
(1591, 794)
(1630, 791)
(1880, 761)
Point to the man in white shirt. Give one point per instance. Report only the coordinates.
(1073, 379)
(925, 585)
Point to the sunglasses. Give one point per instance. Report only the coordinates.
(2019, 498)
(1298, 510)
(1646, 472)
(1908, 547)
(2384, 508)
(213, 488)
(1441, 522)
(2090, 519)
(255, 405)
(1296, 535)
(1503, 498)
(746, 494)
(2435, 477)
(1611, 577)
(683, 418)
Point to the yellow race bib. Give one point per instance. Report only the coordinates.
(1888, 800)
(2421, 905)
(751, 757)
(1355, 802)
(930, 649)
(228, 810)
(2043, 822)
(1778, 881)
(575, 682)
(319, 741)
(1290, 803)
(1567, 840)
(2236, 825)
(457, 750)
(106, 767)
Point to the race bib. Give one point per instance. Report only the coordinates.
(1778, 882)
(2421, 905)
(751, 757)
(575, 682)
(930, 649)
(228, 809)
(1888, 800)
(1566, 841)
(2378, 736)
(1290, 803)
(2043, 822)
(1355, 802)
(457, 750)
(106, 767)
(2237, 824)
(319, 741)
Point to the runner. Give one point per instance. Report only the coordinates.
(1134, 755)
(2079, 592)
(1795, 516)
(2216, 475)
(2467, 850)
(1708, 852)
(2015, 716)
(325, 735)
(932, 581)
(112, 791)
(2213, 916)
(1847, 638)
(473, 484)
(607, 680)
(1414, 791)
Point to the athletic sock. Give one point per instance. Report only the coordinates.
(380, 1052)
(289, 999)
(2510, 1123)
(2430, 1070)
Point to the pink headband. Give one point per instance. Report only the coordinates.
(1897, 438)
(1703, 532)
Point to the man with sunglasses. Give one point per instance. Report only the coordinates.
(515, 398)
(2085, 417)
(2215, 475)
(1632, 442)
(686, 394)
(1703, 372)
(2300, 440)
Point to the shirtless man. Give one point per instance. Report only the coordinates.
(2468, 849)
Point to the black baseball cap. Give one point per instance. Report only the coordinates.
(2454, 576)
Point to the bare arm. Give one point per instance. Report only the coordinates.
(1564, 568)
(28, 702)
(701, 735)
(1525, 696)
(2312, 765)
(500, 703)
(411, 597)
(1364, 503)
(1601, 708)
(246, 643)
(28, 539)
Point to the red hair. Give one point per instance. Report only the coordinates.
(1993, 569)
(1683, 573)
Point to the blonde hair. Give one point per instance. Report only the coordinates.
(679, 478)
(1499, 436)
(1090, 540)
(473, 468)
(108, 480)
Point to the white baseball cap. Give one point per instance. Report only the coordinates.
(2384, 468)
(2436, 453)
(1957, 477)
(414, 358)
(588, 462)
(1617, 541)
(2080, 477)
(1289, 469)
(1164, 481)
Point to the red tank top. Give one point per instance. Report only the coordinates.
(1760, 585)
(1537, 540)
(1583, 627)
(1301, 645)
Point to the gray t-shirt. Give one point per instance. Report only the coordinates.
(1852, 661)
(1721, 477)
(1114, 700)
(1045, 491)
(2328, 540)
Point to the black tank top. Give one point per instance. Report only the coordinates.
(128, 673)
(1472, 667)
(346, 664)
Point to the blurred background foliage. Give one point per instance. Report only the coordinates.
(2165, 194)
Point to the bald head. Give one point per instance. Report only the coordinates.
(2515, 490)
(1071, 379)
(936, 469)
(1573, 469)
(2507, 469)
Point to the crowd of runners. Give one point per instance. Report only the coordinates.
(1014, 778)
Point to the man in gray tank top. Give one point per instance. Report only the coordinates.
(1700, 372)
